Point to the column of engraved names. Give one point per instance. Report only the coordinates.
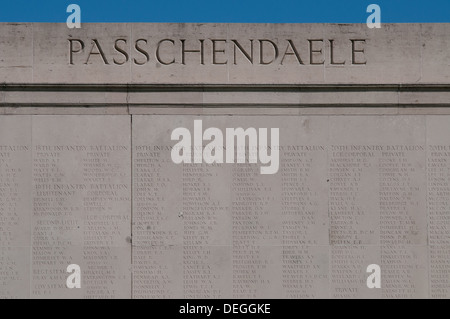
(64, 211)
(402, 218)
(55, 219)
(304, 221)
(181, 220)
(256, 230)
(81, 206)
(205, 239)
(106, 225)
(14, 217)
(351, 168)
(438, 172)
(154, 233)
(353, 214)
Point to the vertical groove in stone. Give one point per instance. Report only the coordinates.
(132, 200)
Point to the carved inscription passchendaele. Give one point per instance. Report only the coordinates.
(218, 52)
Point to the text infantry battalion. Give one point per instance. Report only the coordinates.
(190, 148)
(217, 51)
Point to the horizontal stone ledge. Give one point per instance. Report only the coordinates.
(226, 111)
(163, 87)
(230, 96)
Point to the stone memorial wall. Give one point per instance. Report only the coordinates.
(360, 174)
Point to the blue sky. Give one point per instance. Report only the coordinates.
(247, 11)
